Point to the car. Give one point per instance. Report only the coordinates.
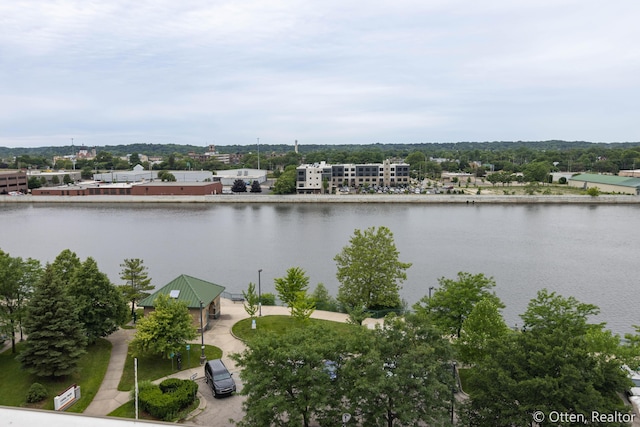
(331, 369)
(635, 380)
(218, 377)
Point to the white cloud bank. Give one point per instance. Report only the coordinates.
(228, 72)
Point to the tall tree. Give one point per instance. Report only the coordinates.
(56, 339)
(136, 276)
(165, 330)
(101, 306)
(17, 280)
(286, 182)
(65, 265)
(369, 270)
(401, 376)
(288, 286)
(479, 331)
(452, 303)
(285, 379)
(554, 364)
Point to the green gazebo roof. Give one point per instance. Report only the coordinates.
(188, 289)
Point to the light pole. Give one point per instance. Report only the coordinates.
(258, 153)
(453, 390)
(259, 295)
(430, 289)
(202, 356)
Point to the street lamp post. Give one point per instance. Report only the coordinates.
(430, 289)
(453, 390)
(258, 153)
(259, 295)
(202, 356)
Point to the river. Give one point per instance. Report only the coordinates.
(585, 251)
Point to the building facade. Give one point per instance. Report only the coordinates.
(322, 177)
(13, 182)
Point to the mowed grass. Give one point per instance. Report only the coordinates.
(15, 382)
(152, 367)
(279, 324)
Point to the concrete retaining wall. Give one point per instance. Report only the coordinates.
(312, 198)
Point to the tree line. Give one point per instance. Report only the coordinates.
(405, 371)
(63, 307)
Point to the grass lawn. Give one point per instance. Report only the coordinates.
(281, 323)
(152, 367)
(14, 382)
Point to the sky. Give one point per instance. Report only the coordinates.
(196, 72)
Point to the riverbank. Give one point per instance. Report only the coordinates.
(348, 198)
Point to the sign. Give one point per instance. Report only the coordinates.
(66, 398)
(188, 347)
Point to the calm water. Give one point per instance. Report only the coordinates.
(589, 252)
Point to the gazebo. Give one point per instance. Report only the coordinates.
(201, 297)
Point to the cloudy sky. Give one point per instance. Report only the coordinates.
(322, 72)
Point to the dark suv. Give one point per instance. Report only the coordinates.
(219, 379)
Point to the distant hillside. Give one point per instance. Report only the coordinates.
(167, 149)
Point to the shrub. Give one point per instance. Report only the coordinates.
(562, 180)
(37, 392)
(268, 299)
(165, 401)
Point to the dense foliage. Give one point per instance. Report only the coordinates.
(369, 271)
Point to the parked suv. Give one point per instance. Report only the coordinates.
(219, 378)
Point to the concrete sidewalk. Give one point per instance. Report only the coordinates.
(108, 398)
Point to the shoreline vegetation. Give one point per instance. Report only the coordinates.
(329, 198)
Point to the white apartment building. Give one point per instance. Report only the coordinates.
(310, 178)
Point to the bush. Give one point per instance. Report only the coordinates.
(37, 393)
(268, 299)
(168, 399)
(562, 180)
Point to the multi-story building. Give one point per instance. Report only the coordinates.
(311, 179)
(13, 182)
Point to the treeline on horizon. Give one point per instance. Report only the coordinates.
(391, 149)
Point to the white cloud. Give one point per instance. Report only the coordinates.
(404, 71)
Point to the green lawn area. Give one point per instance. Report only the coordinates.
(152, 367)
(280, 323)
(14, 382)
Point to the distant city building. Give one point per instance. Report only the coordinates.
(55, 177)
(13, 182)
(606, 183)
(310, 178)
(156, 188)
(139, 174)
(228, 177)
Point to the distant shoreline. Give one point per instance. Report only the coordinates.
(317, 198)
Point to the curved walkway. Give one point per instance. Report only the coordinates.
(108, 398)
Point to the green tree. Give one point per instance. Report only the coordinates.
(554, 364)
(66, 179)
(323, 300)
(137, 281)
(536, 172)
(55, 180)
(286, 182)
(401, 375)
(288, 286)
(101, 306)
(239, 186)
(303, 306)
(17, 280)
(255, 187)
(452, 303)
(369, 270)
(134, 159)
(287, 372)
(251, 300)
(34, 182)
(165, 330)
(56, 339)
(480, 330)
(65, 265)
